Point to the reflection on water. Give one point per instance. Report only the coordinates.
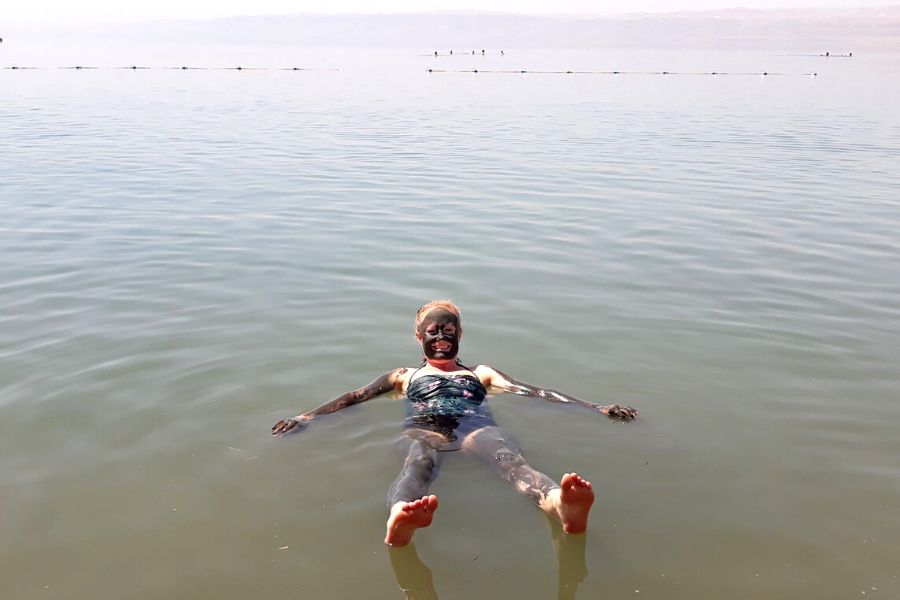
(413, 576)
(186, 257)
(570, 558)
(416, 580)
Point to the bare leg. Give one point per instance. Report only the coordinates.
(570, 500)
(408, 501)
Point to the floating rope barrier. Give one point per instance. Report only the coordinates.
(826, 55)
(485, 71)
(525, 71)
(182, 68)
(464, 53)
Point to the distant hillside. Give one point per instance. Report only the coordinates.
(738, 27)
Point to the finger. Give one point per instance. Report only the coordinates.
(281, 426)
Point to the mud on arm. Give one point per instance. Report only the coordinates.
(386, 383)
(508, 384)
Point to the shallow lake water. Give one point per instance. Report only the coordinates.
(188, 256)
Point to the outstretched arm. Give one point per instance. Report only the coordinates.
(386, 383)
(506, 383)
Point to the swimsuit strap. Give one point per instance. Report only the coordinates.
(417, 370)
(425, 362)
(459, 363)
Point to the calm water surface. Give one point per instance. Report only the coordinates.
(186, 257)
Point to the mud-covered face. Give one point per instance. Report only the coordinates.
(439, 334)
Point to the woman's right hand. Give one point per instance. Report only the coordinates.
(290, 424)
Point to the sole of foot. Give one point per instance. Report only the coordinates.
(407, 517)
(575, 499)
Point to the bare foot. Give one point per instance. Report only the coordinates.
(575, 500)
(406, 517)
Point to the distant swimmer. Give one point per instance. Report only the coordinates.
(828, 54)
(446, 406)
(482, 52)
(435, 52)
(501, 53)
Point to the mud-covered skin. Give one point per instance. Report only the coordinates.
(613, 411)
(423, 460)
(439, 325)
(495, 448)
(384, 384)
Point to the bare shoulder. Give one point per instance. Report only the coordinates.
(488, 375)
(400, 377)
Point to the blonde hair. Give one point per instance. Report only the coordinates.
(426, 308)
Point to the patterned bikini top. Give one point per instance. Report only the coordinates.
(455, 395)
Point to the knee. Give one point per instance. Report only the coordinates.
(507, 458)
(422, 462)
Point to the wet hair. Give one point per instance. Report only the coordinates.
(426, 308)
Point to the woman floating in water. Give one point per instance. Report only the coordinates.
(446, 411)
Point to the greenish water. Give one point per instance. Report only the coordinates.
(186, 258)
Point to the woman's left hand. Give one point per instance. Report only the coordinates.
(618, 411)
(290, 424)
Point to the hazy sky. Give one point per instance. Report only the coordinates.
(113, 10)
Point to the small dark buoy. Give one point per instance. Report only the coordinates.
(475, 71)
(296, 68)
(615, 72)
(665, 72)
(238, 68)
(133, 67)
(429, 70)
(828, 54)
(77, 67)
(523, 71)
(435, 52)
(765, 72)
(569, 72)
(184, 68)
(714, 73)
(482, 52)
(451, 53)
